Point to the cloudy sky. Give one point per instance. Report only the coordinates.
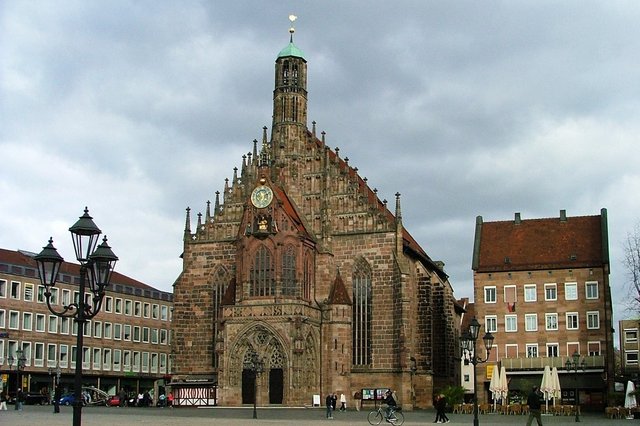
(139, 109)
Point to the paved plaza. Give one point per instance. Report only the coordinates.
(94, 416)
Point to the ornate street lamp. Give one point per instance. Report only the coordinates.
(96, 266)
(256, 366)
(574, 364)
(20, 362)
(468, 341)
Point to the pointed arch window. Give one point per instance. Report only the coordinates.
(308, 277)
(220, 283)
(362, 314)
(261, 275)
(289, 285)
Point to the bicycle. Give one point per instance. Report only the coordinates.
(395, 416)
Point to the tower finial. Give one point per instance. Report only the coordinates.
(292, 30)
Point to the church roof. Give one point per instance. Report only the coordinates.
(291, 50)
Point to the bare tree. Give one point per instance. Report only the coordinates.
(632, 265)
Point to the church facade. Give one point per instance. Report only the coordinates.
(300, 281)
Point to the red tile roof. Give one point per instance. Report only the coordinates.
(541, 244)
(25, 260)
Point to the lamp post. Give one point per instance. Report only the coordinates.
(256, 366)
(468, 346)
(96, 266)
(19, 361)
(574, 364)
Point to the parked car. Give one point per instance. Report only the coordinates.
(113, 401)
(30, 398)
(69, 399)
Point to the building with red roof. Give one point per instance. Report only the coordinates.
(541, 287)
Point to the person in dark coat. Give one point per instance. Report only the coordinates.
(441, 405)
(57, 394)
(329, 403)
(533, 401)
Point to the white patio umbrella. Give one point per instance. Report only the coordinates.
(630, 400)
(494, 385)
(504, 385)
(546, 386)
(556, 390)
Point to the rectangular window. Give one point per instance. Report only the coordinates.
(510, 323)
(108, 304)
(163, 335)
(532, 350)
(97, 329)
(3, 288)
(591, 289)
(97, 359)
(551, 322)
(128, 307)
(86, 358)
(164, 313)
(87, 329)
(64, 356)
(27, 320)
(593, 320)
(126, 360)
(40, 323)
(570, 291)
(511, 350)
(593, 348)
(145, 334)
(531, 322)
(145, 362)
(510, 294)
(117, 353)
(146, 310)
(155, 313)
(53, 299)
(631, 357)
(136, 333)
(2, 318)
(52, 351)
(163, 363)
(572, 320)
(14, 320)
(118, 306)
(127, 332)
(550, 292)
(553, 350)
(491, 323)
(137, 309)
(28, 292)
(106, 359)
(117, 331)
(490, 295)
(38, 358)
(631, 336)
(53, 324)
(530, 293)
(66, 297)
(15, 290)
(154, 336)
(108, 330)
(154, 362)
(64, 325)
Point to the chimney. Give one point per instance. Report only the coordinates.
(518, 220)
(563, 215)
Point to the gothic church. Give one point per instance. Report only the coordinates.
(300, 281)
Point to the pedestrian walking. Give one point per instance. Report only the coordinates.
(57, 394)
(358, 398)
(533, 401)
(329, 402)
(343, 402)
(3, 400)
(19, 399)
(441, 406)
(334, 401)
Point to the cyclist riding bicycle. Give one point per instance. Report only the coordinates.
(391, 404)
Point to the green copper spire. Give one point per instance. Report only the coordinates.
(291, 49)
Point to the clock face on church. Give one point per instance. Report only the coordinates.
(261, 196)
